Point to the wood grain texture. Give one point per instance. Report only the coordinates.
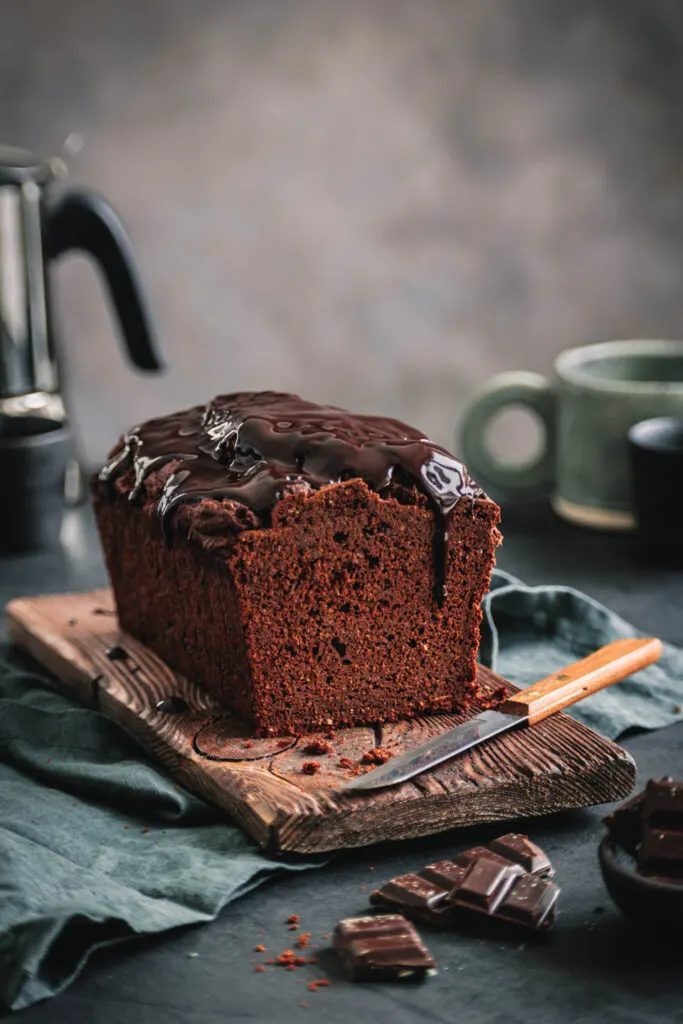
(609, 664)
(559, 764)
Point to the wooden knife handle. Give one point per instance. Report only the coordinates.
(603, 667)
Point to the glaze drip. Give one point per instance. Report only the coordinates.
(255, 447)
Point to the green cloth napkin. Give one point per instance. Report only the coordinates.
(97, 844)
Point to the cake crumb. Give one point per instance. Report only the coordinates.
(293, 919)
(283, 743)
(319, 983)
(318, 747)
(259, 968)
(310, 767)
(248, 745)
(260, 948)
(378, 755)
(293, 928)
(286, 958)
(302, 941)
(345, 762)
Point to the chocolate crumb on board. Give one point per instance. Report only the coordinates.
(318, 747)
(376, 756)
(116, 653)
(310, 767)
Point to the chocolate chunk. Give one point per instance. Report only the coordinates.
(412, 891)
(116, 653)
(444, 873)
(522, 851)
(649, 826)
(662, 804)
(384, 948)
(625, 823)
(531, 901)
(485, 885)
(468, 857)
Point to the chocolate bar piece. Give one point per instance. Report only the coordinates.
(522, 851)
(444, 873)
(482, 881)
(625, 823)
(650, 827)
(662, 804)
(530, 902)
(415, 891)
(468, 857)
(660, 845)
(485, 885)
(384, 948)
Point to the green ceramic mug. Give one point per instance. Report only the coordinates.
(597, 393)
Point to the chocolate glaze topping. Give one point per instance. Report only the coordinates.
(253, 447)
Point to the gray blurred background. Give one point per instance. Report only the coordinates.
(378, 203)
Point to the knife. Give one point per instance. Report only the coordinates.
(603, 667)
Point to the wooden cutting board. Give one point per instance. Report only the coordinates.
(556, 765)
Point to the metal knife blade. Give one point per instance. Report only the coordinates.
(434, 751)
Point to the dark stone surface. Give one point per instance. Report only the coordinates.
(594, 967)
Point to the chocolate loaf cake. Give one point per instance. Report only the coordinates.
(310, 567)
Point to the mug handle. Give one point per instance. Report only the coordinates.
(515, 388)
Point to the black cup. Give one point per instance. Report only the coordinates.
(656, 453)
(34, 454)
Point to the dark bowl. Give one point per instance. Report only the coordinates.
(649, 903)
